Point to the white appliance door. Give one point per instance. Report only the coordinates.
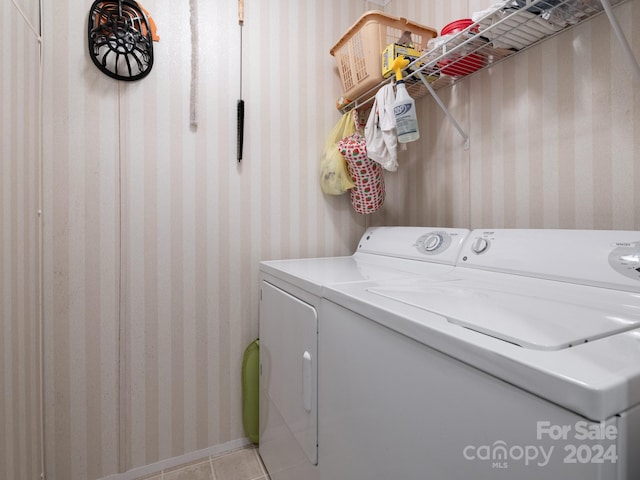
(288, 380)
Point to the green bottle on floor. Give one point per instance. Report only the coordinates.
(250, 390)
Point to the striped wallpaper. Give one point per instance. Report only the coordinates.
(20, 386)
(153, 231)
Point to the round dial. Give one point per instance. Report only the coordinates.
(480, 245)
(432, 242)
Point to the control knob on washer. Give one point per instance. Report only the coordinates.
(432, 242)
(480, 245)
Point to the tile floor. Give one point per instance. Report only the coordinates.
(242, 464)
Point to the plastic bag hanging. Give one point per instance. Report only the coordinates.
(334, 177)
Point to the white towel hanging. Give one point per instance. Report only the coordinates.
(380, 131)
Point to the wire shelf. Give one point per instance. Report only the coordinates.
(501, 32)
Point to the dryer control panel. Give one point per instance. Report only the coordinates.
(425, 244)
(625, 259)
(605, 258)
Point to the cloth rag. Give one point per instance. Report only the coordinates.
(380, 130)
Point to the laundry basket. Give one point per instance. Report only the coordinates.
(358, 53)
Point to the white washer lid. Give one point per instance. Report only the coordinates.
(529, 312)
(596, 379)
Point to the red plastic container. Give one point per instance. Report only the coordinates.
(460, 65)
(458, 26)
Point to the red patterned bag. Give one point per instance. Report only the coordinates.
(368, 194)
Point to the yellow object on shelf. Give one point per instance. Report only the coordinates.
(399, 64)
(394, 51)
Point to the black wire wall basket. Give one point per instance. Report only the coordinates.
(121, 36)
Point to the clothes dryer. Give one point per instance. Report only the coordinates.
(291, 291)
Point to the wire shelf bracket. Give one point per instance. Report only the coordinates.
(622, 39)
(446, 111)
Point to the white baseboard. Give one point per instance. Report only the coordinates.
(180, 460)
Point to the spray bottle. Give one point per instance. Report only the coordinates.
(404, 107)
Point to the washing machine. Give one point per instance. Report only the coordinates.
(290, 297)
(522, 362)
